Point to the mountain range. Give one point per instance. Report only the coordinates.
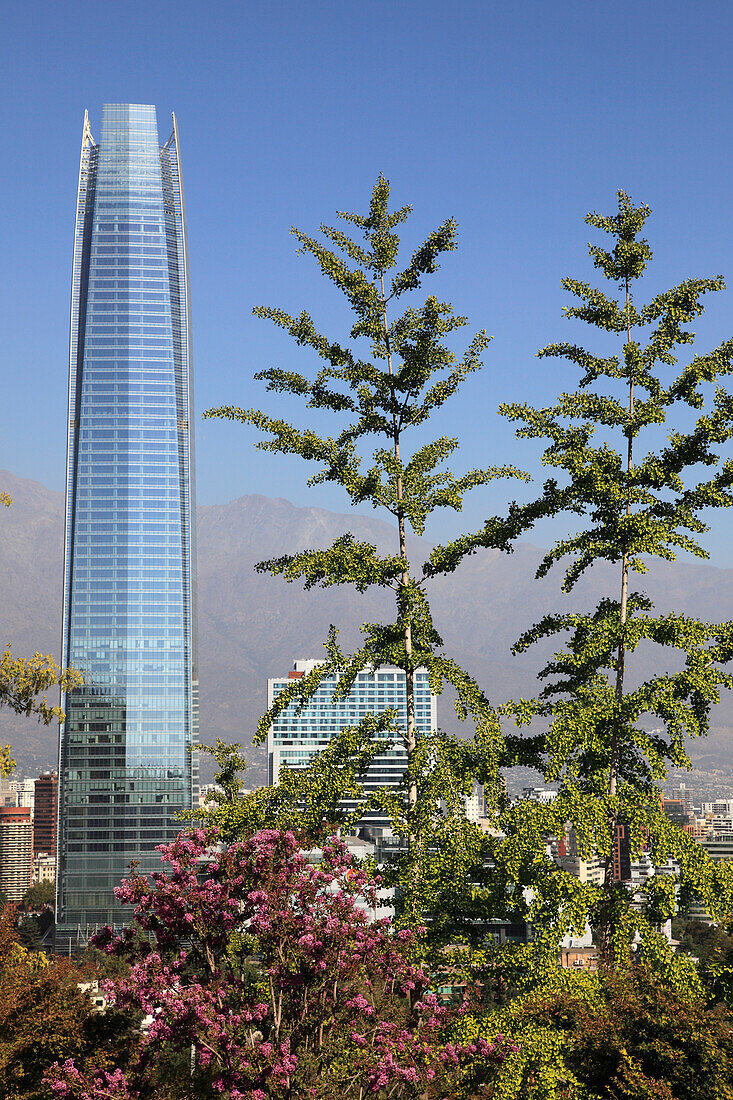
(252, 626)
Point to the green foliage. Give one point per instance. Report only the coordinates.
(312, 801)
(46, 1017)
(22, 679)
(610, 1036)
(599, 744)
(712, 946)
(41, 893)
(381, 401)
(604, 740)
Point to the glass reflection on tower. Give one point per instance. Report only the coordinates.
(125, 763)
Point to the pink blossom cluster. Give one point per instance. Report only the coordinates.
(336, 1003)
(72, 1085)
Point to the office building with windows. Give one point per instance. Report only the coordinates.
(126, 766)
(16, 851)
(295, 737)
(45, 814)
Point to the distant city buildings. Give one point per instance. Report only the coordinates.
(621, 853)
(676, 810)
(28, 814)
(538, 794)
(474, 804)
(45, 814)
(16, 851)
(44, 868)
(718, 816)
(566, 852)
(17, 792)
(210, 788)
(719, 847)
(295, 738)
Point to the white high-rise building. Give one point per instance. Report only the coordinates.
(295, 737)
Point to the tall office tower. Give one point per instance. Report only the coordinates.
(45, 814)
(294, 738)
(125, 763)
(16, 851)
(621, 861)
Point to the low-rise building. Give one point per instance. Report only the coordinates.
(579, 958)
(719, 847)
(44, 868)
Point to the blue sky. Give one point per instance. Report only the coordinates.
(516, 118)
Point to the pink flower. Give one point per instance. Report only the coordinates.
(317, 956)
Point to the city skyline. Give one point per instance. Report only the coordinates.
(449, 446)
(125, 763)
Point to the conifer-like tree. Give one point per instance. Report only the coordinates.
(381, 404)
(637, 448)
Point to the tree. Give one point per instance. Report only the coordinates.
(630, 1037)
(332, 1006)
(385, 401)
(22, 679)
(633, 505)
(46, 1017)
(308, 800)
(38, 895)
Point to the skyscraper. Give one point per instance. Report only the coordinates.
(125, 762)
(16, 851)
(45, 814)
(295, 737)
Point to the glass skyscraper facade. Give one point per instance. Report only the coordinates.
(126, 768)
(295, 736)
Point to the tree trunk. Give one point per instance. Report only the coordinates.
(410, 737)
(613, 819)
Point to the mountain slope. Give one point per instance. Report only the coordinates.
(253, 626)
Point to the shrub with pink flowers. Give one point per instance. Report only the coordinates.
(265, 974)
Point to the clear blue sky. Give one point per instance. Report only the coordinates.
(515, 117)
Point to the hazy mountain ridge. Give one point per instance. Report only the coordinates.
(252, 626)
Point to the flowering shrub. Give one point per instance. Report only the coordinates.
(267, 971)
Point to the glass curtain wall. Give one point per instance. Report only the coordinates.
(125, 762)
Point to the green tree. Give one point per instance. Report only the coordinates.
(22, 679)
(640, 1040)
(313, 801)
(612, 1035)
(41, 893)
(637, 449)
(46, 1016)
(382, 404)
